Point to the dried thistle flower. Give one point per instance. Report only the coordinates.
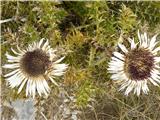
(137, 66)
(34, 66)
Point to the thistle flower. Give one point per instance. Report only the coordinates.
(137, 66)
(33, 67)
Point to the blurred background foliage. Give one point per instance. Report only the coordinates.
(86, 33)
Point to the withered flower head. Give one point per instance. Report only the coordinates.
(33, 67)
(137, 66)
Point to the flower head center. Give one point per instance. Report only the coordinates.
(138, 64)
(35, 63)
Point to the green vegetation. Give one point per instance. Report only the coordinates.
(86, 33)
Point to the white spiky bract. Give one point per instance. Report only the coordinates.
(117, 64)
(18, 78)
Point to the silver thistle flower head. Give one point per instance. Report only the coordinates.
(137, 66)
(33, 67)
